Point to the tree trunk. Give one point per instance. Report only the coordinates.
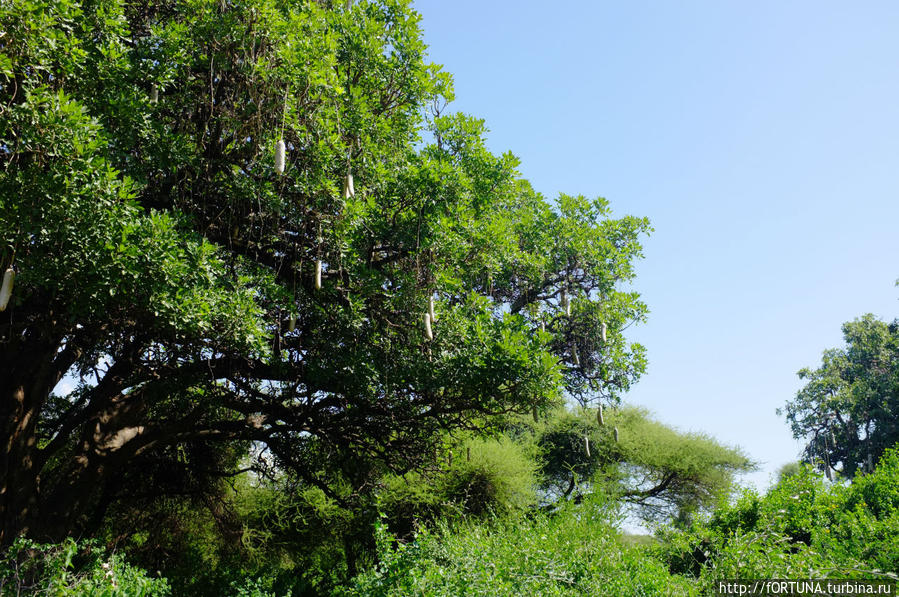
(18, 477)
(74, 502)
(27, 377)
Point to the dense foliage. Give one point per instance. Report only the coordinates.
(70, 569)
(802, 528)
(252, 236)
(275, 322)
(291, 535)
(574, 552)
(848, 411)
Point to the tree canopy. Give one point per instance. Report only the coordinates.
(848, 411)
(249, 227)
(659, 472)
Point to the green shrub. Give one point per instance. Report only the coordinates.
(572, 552)
(73, 569)
(256, 587)
(476, 477)
(499, 477)
(802, 528)
(865, 517)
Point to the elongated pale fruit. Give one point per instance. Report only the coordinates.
(616, 433)
(348, 190)
(280, 150)
(154, 94)
(566, 304)
(599, 416)
(428, 333)
(587, 445)
(292, 322)
(9, 276)
(431, 308)
(542, 326)
(603, 328)
(318, 274)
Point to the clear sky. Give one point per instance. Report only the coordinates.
(761, 139)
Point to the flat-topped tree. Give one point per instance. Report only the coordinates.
(172, 201)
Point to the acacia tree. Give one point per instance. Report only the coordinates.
(660, 473)
(227, 221)
(848, 411)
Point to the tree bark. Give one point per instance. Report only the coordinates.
(28, 378)
(18, 479)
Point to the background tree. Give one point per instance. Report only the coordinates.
(227, 221)
(659, 472)
(788, 470)
(848, 411)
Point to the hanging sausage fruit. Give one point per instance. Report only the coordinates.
(429, 334)
(348, 190)
(280, 154)
(9, 277)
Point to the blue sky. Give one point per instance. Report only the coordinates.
(760, 138)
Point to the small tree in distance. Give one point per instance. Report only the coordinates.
(848, 411)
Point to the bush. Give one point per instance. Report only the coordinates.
(802, 528)
(573, 552)
(257, 587)
(73, 569)
(476, 477)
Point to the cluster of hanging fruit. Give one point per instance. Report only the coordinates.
(429, 317)
(601, 421)
(349, 191)
(565, 304)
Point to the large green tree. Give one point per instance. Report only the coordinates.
(205, 296)
(848, 411)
